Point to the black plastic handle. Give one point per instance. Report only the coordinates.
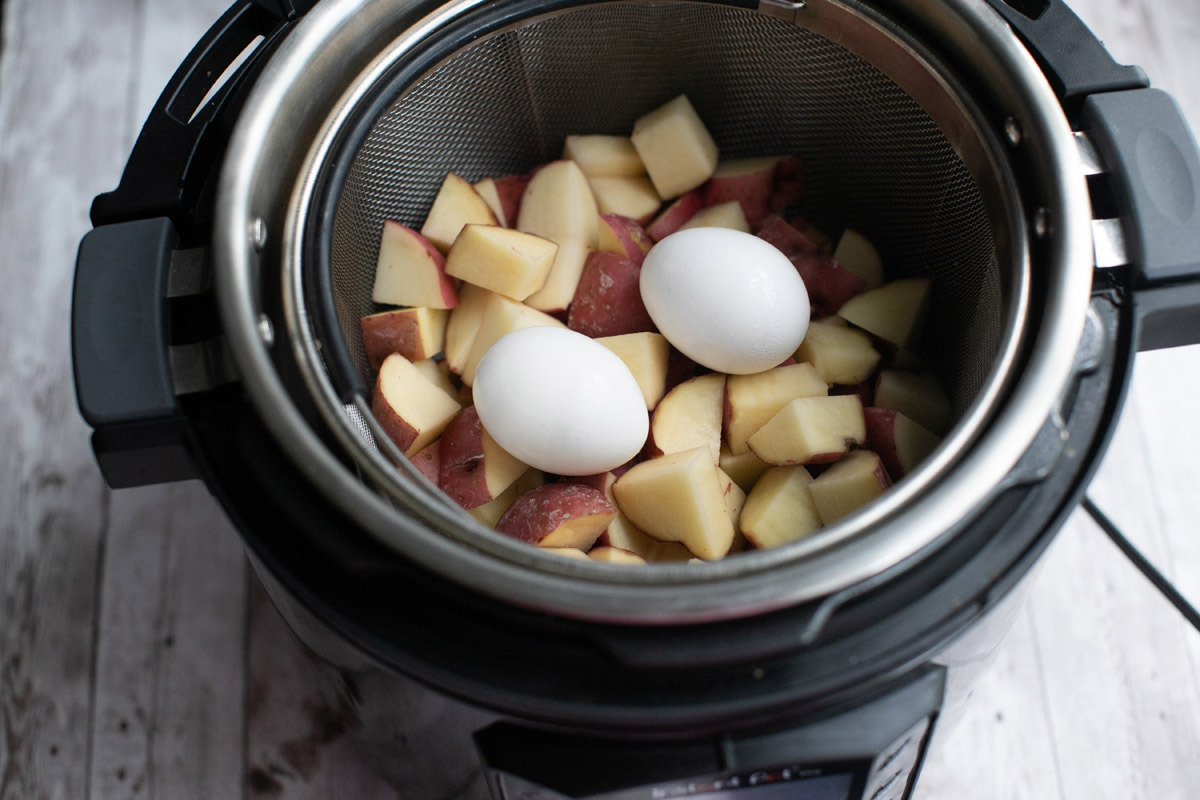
(1153, 162)
(173, 158)
(1074, 61)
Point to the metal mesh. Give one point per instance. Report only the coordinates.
(874, 159)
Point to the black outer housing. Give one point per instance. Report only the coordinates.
(179, 150)
(354, 601)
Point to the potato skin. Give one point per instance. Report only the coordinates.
(674, 215)
(751, 189)
(829, 284)
(461, 468)
(608, 300)
(541, 511)
(395, 426)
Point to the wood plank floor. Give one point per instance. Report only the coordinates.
(139, 658)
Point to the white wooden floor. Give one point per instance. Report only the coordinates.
(138, 658)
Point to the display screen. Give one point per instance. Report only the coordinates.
(789, 783)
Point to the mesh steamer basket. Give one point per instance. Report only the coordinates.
(930, 126)
(432, 103)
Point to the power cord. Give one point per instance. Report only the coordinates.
(1164, 586)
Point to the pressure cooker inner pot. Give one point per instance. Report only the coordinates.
(891, 146)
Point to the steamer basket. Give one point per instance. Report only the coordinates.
(904, 135)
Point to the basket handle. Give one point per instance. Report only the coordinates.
(166, 172)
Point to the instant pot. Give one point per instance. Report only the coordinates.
(993, 146)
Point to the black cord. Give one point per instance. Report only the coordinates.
(1155, 577)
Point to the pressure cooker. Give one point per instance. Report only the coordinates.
(1049, 194)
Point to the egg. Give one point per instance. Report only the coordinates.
(725, 299)
(559, 401)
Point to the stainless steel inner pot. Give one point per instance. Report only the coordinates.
(926, 125)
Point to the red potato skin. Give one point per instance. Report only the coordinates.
(790, 184)
(674, 215)
(602, 480)
(608, 300)
(881, 438)
(461, 468)
(632, 236)
(540, 511)
(829, 284)
(826, 458)
(597, 481)
(680, 368)
(786, 238)
(509, 189)
(753, 190)
(393, 425)
(395, 332)
(447, 286)
(428, 461)
(864, 390)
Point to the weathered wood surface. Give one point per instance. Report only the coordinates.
(139, 659)
(58, 144)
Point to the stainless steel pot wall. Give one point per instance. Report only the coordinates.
(927, 124)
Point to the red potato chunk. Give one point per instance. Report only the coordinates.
(457, 203)
(679, 497)
(600, 155)
(624, 236)
(473, 469)
(411, 271)
(672, 218)
(848, 485)
(558, 515)
(896, 311)
(749, 181)
(509, 190)
(811, 430)
(901, 443)
(608, 301)
(615, 555)
(829, 283)
(428, 461)
(416, 333)
(788, 239)
(689, 416)
(676, 147)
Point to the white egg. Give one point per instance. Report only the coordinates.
(725, 299)
(560, 401)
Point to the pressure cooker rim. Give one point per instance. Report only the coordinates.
(684, 593)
